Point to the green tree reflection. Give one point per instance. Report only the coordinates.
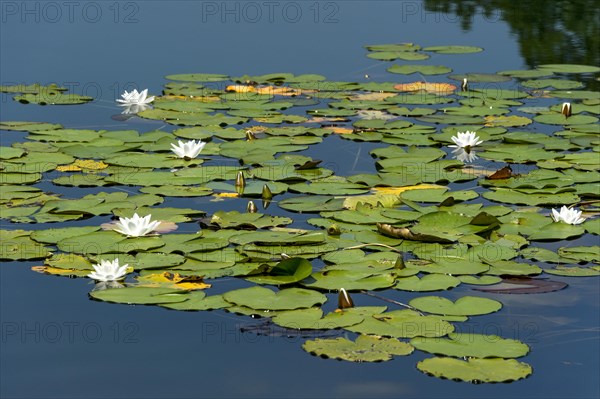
(548, 32)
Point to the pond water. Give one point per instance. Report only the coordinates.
(56, 342)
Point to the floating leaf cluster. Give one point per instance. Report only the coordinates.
(404, 227)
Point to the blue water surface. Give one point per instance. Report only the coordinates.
(58, 344)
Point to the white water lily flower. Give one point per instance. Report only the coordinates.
(189, 149)
(466, 140)
(567, 215)
(108, 271)
(135, 98)
(464, 156)
(136, 226)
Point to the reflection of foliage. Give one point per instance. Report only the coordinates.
(548, 32)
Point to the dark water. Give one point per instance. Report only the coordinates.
(58, 344)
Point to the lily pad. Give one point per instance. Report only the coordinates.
(464, 306)
(287, 271)
(364, 349)
(313, 319)
(573, 271)
(197, 301)
(453, 49)
(350, 280)
(422, 69)
(140, 295)
(430, 282)
(403, 324)
(569, 68)
(475, 370)
(471, 345)
(264, 299)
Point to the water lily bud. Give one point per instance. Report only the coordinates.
(250, 135)
(399, 263)
(566, 109)
(344, 300)
(240, 180)
(266, 193)
(465, 85)
(334, 230)
(251, 208)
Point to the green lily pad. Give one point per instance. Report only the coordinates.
(560, 119)
(350, 280)
(17, 245)
(140, 295)
(235, 219)
(52, 97)
(177, 191)
(287, 271)
(479, 280)
(101, 242)
(527, 73)
(329, 188)
(53, 236)
(422, 69)
(453, 49)
(197, 300)
(70, 262)
(32, 88)
(438, 195)
(10, 152)
(471, 345)
(312, 204)
(481, 77)
(464, 306)
(430, 282)
(403, 324)
(397, 55)
(511, 268)
(581, 253)
(475, 370)
(557, 231)
(393, 47)
(364, 349)
(573, 271)
(307, 319)
(576, 94)
(516, 197)
(556, 83)
(569, 68)
(265, 299)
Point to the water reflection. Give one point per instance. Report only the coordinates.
(129, 109)
(547, 32)
(464, 155)
(105, 285)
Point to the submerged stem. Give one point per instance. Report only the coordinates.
(391, 301)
